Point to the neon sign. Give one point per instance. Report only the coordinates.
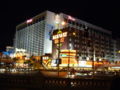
(29, 21)
(59, 35)
(71, 18)
(57, 41)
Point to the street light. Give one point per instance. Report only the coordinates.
(118, 51)
(63, 23)
(94, 57)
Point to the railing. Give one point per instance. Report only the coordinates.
(44, 82)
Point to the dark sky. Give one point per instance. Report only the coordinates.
(102, 13)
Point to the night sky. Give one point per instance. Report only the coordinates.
(102, 13)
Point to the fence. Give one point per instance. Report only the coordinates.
(26, 81)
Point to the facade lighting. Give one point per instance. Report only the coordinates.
(57, 19)
(74, 33)
(60, 35)
(63, 23)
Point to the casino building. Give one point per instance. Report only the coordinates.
(80, 39)
(76, 45)
(33, 35)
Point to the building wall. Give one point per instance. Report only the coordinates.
(62, 41)
(34, 37)
(31, 38)
(95, 36)
(116, 49)
(49, 27)
(87, 43)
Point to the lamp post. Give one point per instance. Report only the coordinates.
(93, 65)
(58, 62)
(58, 22)
(69, 64)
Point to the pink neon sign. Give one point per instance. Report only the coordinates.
(71, 18)
(29, 21)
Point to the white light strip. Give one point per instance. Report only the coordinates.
(116, 67)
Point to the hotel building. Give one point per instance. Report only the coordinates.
(77, 45)
(34, 36)
(116, 42)
(89, 41)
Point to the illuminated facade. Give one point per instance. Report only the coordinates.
(94, 42)
(33, 35)
(59, 38)
(88, 40)
(116, 42)
(88, 44)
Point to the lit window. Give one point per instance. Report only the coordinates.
(74, 33)
(62, 40)
(56, 41)
(70, 45)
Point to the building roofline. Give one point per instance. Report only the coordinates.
(78, 20)
(91, 25)
(35, 17)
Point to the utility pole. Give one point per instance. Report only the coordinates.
(58, 22)
(93, 65)
(58, 60)
(69, 63)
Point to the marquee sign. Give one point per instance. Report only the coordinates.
(64, 34)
